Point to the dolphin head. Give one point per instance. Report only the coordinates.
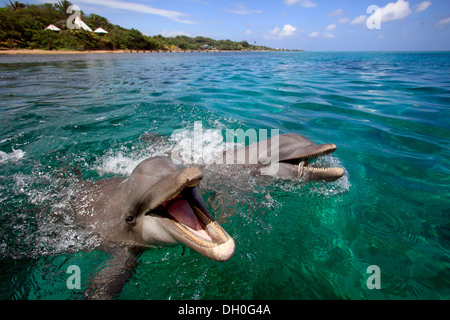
(295, 154)
(164, 206)
(290, 157)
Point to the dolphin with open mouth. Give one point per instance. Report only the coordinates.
(159, 204)
(287, 156)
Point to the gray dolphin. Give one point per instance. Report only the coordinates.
(285, 156)
(159, 204)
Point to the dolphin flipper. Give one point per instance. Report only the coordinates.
(109, 281)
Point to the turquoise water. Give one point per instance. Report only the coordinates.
(71, 117)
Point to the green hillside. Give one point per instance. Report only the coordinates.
(22, 26)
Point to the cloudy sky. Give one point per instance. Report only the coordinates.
(325, 25)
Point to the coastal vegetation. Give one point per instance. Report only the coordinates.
(22, 26)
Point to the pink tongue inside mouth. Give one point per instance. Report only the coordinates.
(182, 211)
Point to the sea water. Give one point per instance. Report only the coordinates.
(69, 118)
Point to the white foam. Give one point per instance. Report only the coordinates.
(123, 162)
(60, 238)
(191, 147)
(14, 156)
(26, 184)
(118, 164)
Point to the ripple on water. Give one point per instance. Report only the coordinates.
(387, 113)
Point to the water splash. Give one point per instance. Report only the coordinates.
(44, 223)
(14, 156)
(336, 187)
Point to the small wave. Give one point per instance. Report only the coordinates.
(14, 156)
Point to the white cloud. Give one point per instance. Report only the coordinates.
(338, 12)
(288, 30)
(391, 12)
(273, 32)
(394, 11)
(316, 34)
(142, 8)
(277, 33)
(423, 6)
(172, 34)
(360, 19)
(303, 3)
(343, 20)
(243, 10)
(331, 27)
(248, 31)
(443, 22)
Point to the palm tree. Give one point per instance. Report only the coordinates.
(11, 43)
(62, 6)
(16, 5)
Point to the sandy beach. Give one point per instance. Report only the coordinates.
(38, 51)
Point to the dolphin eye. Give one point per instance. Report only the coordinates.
(130, 219)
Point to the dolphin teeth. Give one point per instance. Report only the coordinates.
(318, 169)
(301, 166)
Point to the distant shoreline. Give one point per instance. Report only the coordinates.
(40, 51)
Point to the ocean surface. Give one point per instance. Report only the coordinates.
(67, 118)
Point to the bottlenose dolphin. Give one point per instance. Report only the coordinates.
(158, 204)
(286, 156)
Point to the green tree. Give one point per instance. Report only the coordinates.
(244, 44)
(62, 6)
(97, 21)
(16, 5)
(44, 39)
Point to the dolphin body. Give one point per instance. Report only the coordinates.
(160, 204)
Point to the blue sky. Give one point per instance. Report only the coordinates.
(325, 25)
